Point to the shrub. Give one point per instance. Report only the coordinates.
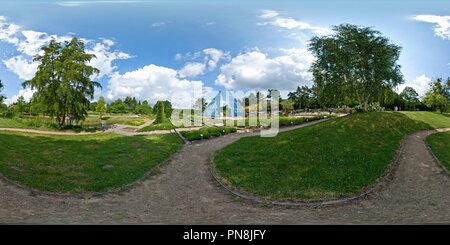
(207, 132)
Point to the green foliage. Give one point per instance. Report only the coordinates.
(304, 98)
(355, 63)
(159, 126)
(289, 121)
(207, 132)
(286, 106)
(167, 108)
(1, 96)
(160, 115)
(82, 163)
(101, 106)
(333, 159)
(438, 98)
(117, 107)
(62, 81)
(411, 98)
(144, 108)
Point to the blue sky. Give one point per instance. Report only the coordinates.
(163, 49)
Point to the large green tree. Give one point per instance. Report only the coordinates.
(354, 62)
(411, 97)
(63, 81)
(437, 97)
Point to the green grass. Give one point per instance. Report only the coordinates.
(440, 145)
(83, 163)
(158, 126)
(33, 123)
(434, 119)
(328, 160)
(207, 132)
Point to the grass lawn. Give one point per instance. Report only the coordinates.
(82, 163)
(434, 119)
(328, 160)
(440, 145)
(35, 123)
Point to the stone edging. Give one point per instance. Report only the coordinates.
(86, 195)
(438, 162)
(366, 192)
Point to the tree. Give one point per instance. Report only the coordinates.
(144, 108)
(286, 106)
(101, 106)
(20, 104)
(62, 81)
(201, 104)
(1, 96)
(161, 115)
(357, 62)
(167, 107)
(411, 97)
(117, 107)
(436, 98)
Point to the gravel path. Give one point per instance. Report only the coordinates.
(185, 193)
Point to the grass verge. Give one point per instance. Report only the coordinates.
(333, 159)
(440, 145)
(83, 163)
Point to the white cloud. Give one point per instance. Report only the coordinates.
(27, 93)
(268, 14)
(192, 69)
(255, 70)
(83, 3)
(8, 31)
(210, 23)
(104, 57)
(22, 67)
(155, 83)
(158, 24)
(442, 24)
(29, 43)
(211, 58)
(420, 84)
(272, 17)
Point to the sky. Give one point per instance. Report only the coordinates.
(157, 50)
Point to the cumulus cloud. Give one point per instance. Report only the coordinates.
(254, 70)
(29, 44)
(27, 93)
(21, 66)
(273, 18)
(209, 62)
(104, 57)
(420, 84)
(441, 24)
(155, 83)
(192, 69)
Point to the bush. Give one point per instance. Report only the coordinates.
(288, 121)
(207, 132)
